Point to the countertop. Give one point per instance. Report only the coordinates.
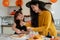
(7, 37)
(6, 25)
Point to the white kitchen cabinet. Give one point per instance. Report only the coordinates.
(8, 30)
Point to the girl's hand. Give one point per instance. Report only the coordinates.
(18, 31)
(23, 31)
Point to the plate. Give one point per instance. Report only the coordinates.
(19, 37)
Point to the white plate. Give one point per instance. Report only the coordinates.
(17, 37)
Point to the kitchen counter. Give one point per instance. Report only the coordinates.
(6, 25)
(7, 37)
(10, 26)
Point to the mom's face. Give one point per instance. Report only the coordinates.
(35, 8)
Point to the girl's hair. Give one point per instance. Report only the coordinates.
(52, 17)
(41, 7)
(17, 21)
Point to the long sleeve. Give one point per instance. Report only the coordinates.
(28, 24)
(46, 23)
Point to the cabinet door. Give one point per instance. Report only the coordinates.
(8, 30)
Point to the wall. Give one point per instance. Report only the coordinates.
(11, 8)
(26, 10)
(12, 2)
(3, 10)
(56, 10)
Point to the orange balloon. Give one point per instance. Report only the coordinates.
(16, 3)
(53, 1)
(5, 3)
(19, 3)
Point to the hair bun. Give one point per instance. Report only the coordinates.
(20, 9)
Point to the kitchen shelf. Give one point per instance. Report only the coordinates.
(13, 16)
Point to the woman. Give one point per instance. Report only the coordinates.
(19, 26)
(46, 24)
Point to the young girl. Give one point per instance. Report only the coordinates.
(19, 26)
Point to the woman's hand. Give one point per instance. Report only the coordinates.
(29, 29)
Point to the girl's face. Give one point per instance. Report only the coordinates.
(35, 8)
(20, 16)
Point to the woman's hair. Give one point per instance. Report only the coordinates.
(52, 18)
(41, 6)
(17, 21)
(34, 18)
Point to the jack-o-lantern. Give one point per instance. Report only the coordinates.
(19, 2)
(53, 1)
(5, 3)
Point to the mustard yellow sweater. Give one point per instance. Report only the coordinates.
(45, 24)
